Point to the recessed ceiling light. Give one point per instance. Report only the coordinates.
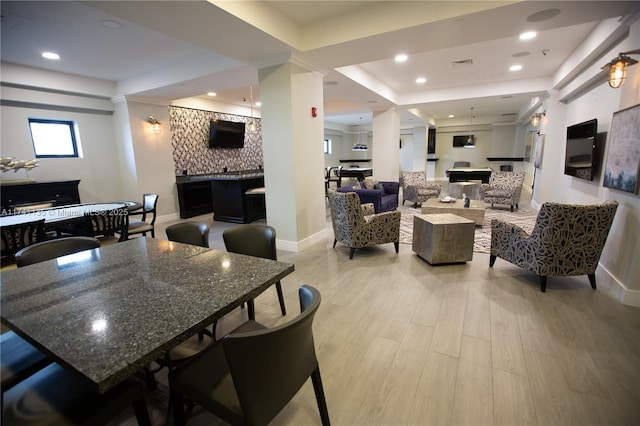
(528, 35)
(451, 115)
(401, 58)
(51, 55)
(110, 23)
(544, 15)
(421, 80)
(212, 94)
(515, 67)
(258, 103)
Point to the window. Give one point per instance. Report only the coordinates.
(327, 146)
(53, 138)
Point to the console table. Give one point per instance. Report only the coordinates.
(463, 174)
(21, 193)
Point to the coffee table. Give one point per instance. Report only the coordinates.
(443, 238)
(474, 212)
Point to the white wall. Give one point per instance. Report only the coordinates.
(619, 271)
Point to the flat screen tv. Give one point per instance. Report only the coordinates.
(463, 141)
(226, 134)
(580, 154)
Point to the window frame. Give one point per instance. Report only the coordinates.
(327, 146)
(72, 133)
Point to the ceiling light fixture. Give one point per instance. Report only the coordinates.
(515, 67)
(528, 35)
(421, 80)
(401, 58)
(155, 123)
(469, 143)
(617, 68)
(212, 94)
(51, 55)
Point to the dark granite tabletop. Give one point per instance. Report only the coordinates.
(106, 313)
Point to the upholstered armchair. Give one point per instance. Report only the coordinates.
(503, 188)
(382, 194)
(416, 189)
(353, 227)
(567, 240)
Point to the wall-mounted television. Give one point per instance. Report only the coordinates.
(464, 141)
(580, 158)
(226, 134)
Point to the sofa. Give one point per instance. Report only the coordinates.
(383, 194)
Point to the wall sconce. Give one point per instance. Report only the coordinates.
(535, 119)
(618, 67)
(155, 123)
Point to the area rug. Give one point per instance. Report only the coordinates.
(525, 219)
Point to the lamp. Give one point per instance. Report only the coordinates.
(535, 119)
(252, 125)
(469, 143)
(618, 67)
(155, 123)
(359, 146)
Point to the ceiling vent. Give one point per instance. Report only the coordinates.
(509, 114)
(462, 63)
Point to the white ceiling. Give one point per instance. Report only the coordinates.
(168, 50)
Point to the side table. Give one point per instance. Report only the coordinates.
(443, 238)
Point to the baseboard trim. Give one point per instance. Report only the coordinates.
(296, 246)
(612, 286)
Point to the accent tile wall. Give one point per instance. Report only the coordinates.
(190, 141)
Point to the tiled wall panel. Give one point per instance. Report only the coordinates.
(190, 142)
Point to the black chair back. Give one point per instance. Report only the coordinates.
(194, 233)
(51, 249)
(270, 366)
(17, 237)
(149, 203)
(107, 223)
(252, 239)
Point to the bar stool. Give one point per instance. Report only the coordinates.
(256, 208)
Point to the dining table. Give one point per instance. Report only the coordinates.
(106, 313)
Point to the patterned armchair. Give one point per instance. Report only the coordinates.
(567, 240)
(503, 188)
(355, 226)
(416, 189)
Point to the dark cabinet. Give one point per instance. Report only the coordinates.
(59, 193)
(194, 198)
(222, 194)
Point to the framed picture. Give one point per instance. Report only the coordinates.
(623, 158)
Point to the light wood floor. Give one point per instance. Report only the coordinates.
(401, 342)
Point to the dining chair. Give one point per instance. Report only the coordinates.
(16, 237)
(142, 226)
(58, 396)
(251, 374)
(19, 358)
(254, 240)
(47, 250)
(194, 233)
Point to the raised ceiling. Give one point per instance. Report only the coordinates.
(168, 50)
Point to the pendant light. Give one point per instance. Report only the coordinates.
(469, 143)
(252, 124)
(358, 146)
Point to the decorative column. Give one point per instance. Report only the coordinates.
(292, 137)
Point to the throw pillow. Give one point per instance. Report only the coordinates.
(379, 187)
(369, 183)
